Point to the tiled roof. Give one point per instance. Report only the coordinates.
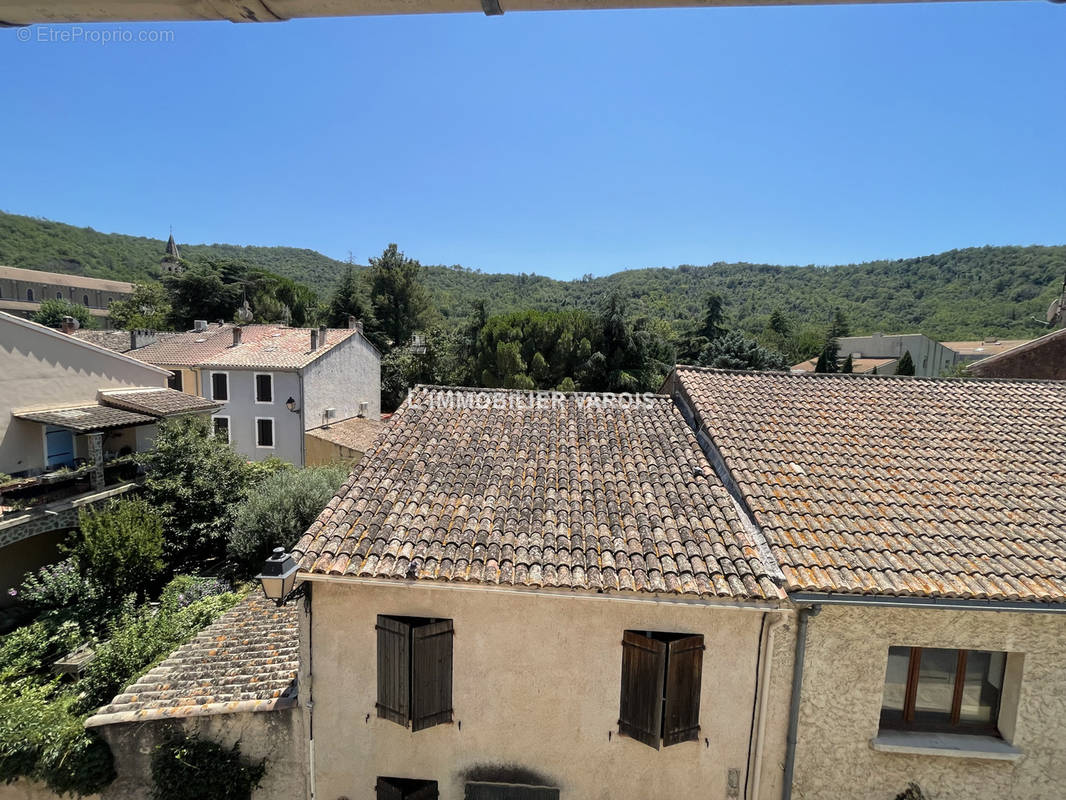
(357, 433)
(85, 419)
(188, 349)
(116, 341)
(898, 486)
(246, 660)
(489, 487)
(274, 347)
(158, 402)
(859, 366)
(266, 346)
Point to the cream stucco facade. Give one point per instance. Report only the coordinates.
(847, 651)
(536, 684)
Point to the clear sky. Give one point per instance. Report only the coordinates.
(558, 143)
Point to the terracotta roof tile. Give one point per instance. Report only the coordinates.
(247, 660)
(158, 402)
(898, 486)
(490, 487)
(265, 346)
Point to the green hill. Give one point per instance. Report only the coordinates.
(970, 293)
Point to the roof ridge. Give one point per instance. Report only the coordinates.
(504, 390)
(862, 376)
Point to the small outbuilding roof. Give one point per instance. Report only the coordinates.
(247, 660)
(158, 402)
(356, 433)
(85, 419)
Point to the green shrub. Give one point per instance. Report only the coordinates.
(41, 737)
(51, 313)
(278, 512)
(184, 590)
(33, 648)
(59, 586)
(139, 638)
(120, 548)
(191, 768)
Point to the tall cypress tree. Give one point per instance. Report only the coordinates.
(848, 367)
(905, 365)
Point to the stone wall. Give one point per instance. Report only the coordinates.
(847, 651)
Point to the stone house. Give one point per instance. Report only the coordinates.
(520, 598)
(1043, 358)
(919, 527)
(275, 383)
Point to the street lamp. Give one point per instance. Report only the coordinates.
(278, 577)
(291, 404)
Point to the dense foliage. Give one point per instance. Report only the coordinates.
(148, 308)
(960, 294)
(121, 547)
(52, 311)
(191, 768)
(280, 509)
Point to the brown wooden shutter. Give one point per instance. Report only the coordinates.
(683, 673)
(427, 792)
(640, 710)
(431, 682)
(394, 680)
(405, 789)
(388, 790)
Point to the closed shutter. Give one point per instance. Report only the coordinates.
(405, 789)
(388, 790)
(640, 709)
(506, 791)
(427, 792)
(431, 688)
(683, 672)
(393, 670)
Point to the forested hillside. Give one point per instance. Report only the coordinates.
(986, 291)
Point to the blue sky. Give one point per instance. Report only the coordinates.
(558, 143)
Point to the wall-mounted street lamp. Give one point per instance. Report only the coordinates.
(291, 405)
(278, 577)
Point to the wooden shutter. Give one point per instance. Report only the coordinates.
(388, 790)
(427, 792)
(394, 682)
(503, 791)
(640, 710)
(683, 672)
(431, 683)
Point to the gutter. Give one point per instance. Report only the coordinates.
(794, 703)
(943, 604)
(764, 703)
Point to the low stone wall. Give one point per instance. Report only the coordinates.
(277, 736)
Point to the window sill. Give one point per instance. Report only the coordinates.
(952, 745)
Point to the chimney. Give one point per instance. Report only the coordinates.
(314, 339)
(141, 338)
(322, 335)
(236, 335)
(68, 325)
(352, 322)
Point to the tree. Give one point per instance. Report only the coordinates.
(713, 317)
(827, 359)
(849, 366)
(779, 324)
(196, 483)
(839, 327)
(632, 357)
(398, 300)
(51, 313)
(350, 299)
(120, 548)
(146, 309)
(736, 351)
(278, 512)
(201, 293)
(905, 365)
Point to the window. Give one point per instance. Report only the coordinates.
(29, 295)
(59, 295)
(509, 791)
(660, 700)
(264, 388)
(405, 789)
(219, 386)
(415, 671)
(222, 427)
(264, 432)
(85, 299)
(175, 380)
(932, 689)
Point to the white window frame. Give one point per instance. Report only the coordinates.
(255, 388)
(211, 380)
(229, 427)
(273, 434)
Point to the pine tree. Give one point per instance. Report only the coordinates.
(848, 367)
(827, 359)
(905, 365)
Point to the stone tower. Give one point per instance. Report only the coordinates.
(171, 262)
